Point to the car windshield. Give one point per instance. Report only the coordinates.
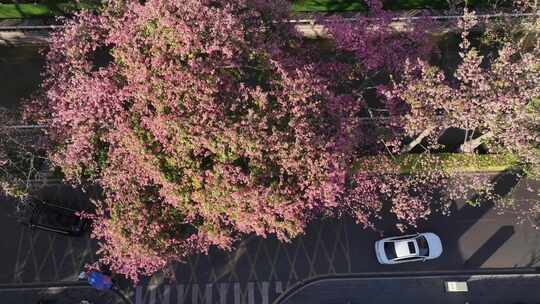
(423, 245)
(390, 250)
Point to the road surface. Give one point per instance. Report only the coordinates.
(260, 269)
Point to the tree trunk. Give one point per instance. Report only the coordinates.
(470, 145)
(417, 140)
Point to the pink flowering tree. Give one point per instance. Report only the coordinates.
(527, 5)
(425, 108)
(413, 187)
(377, 42)
(204, 120)
(199, 122)
(495, 102)
(375, 48)
(495, 99)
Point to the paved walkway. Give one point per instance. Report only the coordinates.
(306, 26)
(18, 38)
(26, 22)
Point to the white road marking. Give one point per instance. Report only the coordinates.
(249, 293)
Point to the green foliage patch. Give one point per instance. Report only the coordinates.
(46, 9)
(357, 5)
(452, 162)
(54, 8)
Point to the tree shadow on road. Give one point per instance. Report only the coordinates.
(495, 242)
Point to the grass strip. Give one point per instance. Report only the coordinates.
(53, 8)
(357, 5)
(24, 11)
(450, 162)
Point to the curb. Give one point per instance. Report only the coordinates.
(32, 286)
(60, 286)
(404, 275)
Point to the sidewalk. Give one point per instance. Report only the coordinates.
(9, 36)
(26, 22)
(482, 288)
(305, 23)
(18, 38)
(61, 293)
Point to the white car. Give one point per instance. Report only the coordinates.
(408, 248)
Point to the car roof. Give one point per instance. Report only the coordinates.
(406, 248)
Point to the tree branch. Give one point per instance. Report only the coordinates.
(470, 145)
(417, 140)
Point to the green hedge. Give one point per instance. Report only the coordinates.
(452, 162)
(48, 8)
(357, 5)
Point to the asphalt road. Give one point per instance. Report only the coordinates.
(73, 294)
(34, 256)
(20, 70)
(260, 269)
(492, 289)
